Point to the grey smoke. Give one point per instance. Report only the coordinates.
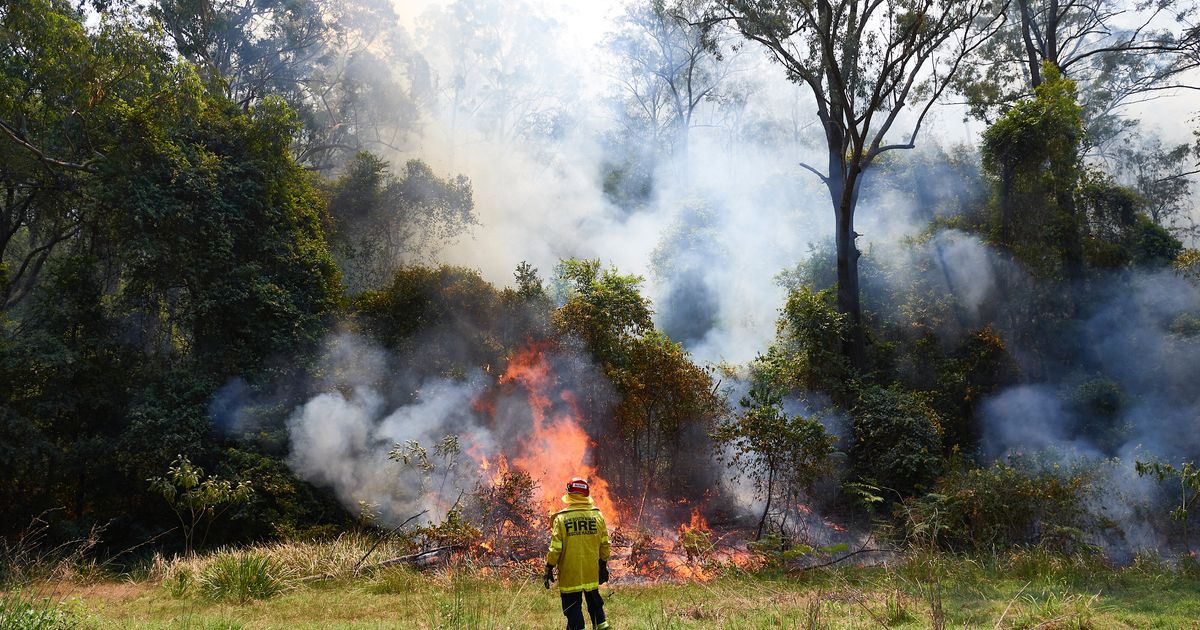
(340, 439)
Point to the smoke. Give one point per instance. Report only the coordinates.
(1107, 371)
(388, 433)
(1121, 380)
(520, 104)
(341, 439)
(523, 104)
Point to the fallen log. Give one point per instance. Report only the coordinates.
(413, 558)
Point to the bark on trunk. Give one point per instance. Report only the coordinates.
(1031, 52)
(845, 200)
(762, 522)
(1006, 207)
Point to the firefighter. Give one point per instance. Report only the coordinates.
(579, 548)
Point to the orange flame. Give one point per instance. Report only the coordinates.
(698, 522)
(557, 448)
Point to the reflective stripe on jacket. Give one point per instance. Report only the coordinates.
(578, 542)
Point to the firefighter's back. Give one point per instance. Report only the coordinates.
(583, 532)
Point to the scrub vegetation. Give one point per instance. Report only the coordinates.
(309, 308)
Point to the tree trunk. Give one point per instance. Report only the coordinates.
(1031, 52)
(1006, 206)
(845, 199)
(770, 491)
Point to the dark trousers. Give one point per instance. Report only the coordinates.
(572, 604)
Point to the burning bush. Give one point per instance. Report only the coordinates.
(454, 532)
(512, 526)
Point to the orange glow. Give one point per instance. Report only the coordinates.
(698, 522)
(557, 448)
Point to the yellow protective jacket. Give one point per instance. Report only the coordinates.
(578, 542)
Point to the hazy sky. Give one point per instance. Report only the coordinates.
(587, 21)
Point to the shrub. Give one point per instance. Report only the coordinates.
(1009, 505)
(897, 439)
(180, 582)
(242, 577)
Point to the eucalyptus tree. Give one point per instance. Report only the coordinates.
(345, 66)
(1117, 51)
(874, 69)
(66, 96)
(669, 66)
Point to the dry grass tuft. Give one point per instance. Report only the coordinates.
(336, 558)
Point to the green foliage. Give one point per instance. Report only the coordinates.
(157, 239)
(381, 219)
(1045, 128)
(1007, 505)
(602, 308)
(697, 544)
(281, 505)
(896, 440)
(1154, 245)
(811, 332)
(1117, 232)
(782, 454)
(66, 394)
(1033, 152)
(453, 531)
(241, 578)
(979, 366)
(664, 395)
(197, 499)
(1187, 475)
(181, 582)
(19, 611)
(529, 284)
(455, 318)
(1187, 264)
(68, 98)
(775, 552)
(1099, 403)
(223, 249)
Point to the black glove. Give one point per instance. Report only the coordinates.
(603, 571)
(548, 577)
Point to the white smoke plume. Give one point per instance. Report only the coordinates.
(519, 105)
(340, 439)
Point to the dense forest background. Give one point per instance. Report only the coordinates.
(880, 260)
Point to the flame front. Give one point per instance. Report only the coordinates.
(557, 448)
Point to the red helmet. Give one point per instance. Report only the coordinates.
(578, 485)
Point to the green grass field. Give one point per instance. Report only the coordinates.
(1025, 590)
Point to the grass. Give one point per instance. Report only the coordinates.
(20, 611)
(238, 577)
(1020, 590)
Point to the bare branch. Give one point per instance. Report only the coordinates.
(86, 166)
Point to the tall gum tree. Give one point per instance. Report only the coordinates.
(865, 62)
(1118, 52)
